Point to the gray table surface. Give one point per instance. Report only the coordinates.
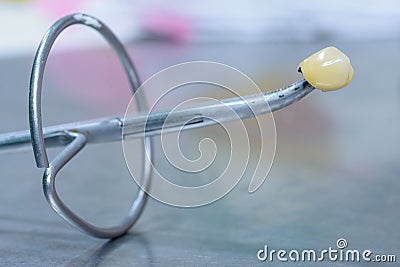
(335, 175)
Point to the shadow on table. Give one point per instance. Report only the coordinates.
(96, 257)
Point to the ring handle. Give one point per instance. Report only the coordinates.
(79, 139)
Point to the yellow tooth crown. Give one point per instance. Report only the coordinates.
(328, 69)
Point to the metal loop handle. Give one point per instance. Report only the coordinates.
(79, 139)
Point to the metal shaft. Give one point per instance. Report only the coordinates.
(153, 123)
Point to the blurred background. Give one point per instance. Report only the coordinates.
(251, 21)
(336, 169)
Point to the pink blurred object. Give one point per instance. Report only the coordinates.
(168, 24)
(94, 78)
(58, 9)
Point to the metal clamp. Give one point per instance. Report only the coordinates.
(78, 139)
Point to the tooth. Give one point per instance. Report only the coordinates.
(328, 69)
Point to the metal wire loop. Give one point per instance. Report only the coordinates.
(79, 139)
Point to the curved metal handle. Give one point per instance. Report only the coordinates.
(42, 53)
(79, 139)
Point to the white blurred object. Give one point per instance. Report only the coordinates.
(260, 20)
(22, 24)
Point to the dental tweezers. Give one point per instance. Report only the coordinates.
(74, 136)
